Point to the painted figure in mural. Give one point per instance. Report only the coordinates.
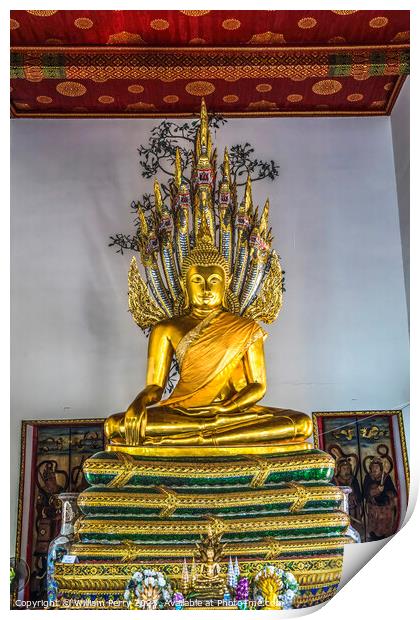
(204, 313)
(380, 500)
(345, 474)
(50, 478)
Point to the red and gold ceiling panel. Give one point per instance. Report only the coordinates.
(160, 63)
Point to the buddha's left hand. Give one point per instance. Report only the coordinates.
(239, 403)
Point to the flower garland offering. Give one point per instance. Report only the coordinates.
(274, 588)
(148, 589)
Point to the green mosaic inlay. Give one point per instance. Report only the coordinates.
(227, 489)
(322, 474)
(248, 510)
(284, 554)
(252, 508)
(85, 537)
(300, 474)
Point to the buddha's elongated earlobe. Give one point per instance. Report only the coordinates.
(225, 300)
(230, 300)
(182, 303)
(186, 301)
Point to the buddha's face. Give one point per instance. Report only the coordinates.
(205, 286)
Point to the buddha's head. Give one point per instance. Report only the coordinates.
(205, 286)
(206, 278)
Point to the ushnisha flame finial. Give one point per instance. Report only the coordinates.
(205, 223)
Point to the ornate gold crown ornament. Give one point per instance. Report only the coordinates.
(204, 226)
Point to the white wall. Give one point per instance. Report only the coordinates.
(400, 123)
(341, 341)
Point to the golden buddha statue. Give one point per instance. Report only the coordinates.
(210, 583)
(203, 310)
(207, 464)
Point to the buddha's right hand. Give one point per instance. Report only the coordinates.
(135, 418)
(134, 426)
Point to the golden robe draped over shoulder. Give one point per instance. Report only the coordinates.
(207, 355)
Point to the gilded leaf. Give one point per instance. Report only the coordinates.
(268, 302)
(146, 313)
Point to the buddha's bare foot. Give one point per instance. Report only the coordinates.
(183, 439)
(117, 441)
(154, 441)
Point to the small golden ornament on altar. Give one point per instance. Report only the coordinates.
(209, 583)
(270, 584)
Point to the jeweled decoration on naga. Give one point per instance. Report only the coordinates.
(211, 274)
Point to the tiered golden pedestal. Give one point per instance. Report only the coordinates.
(272, 505)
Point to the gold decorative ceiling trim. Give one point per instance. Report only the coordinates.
(70, 64)
(95, 65)
(226, 64)
(251, 114)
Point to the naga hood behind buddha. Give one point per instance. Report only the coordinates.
(205, 225)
